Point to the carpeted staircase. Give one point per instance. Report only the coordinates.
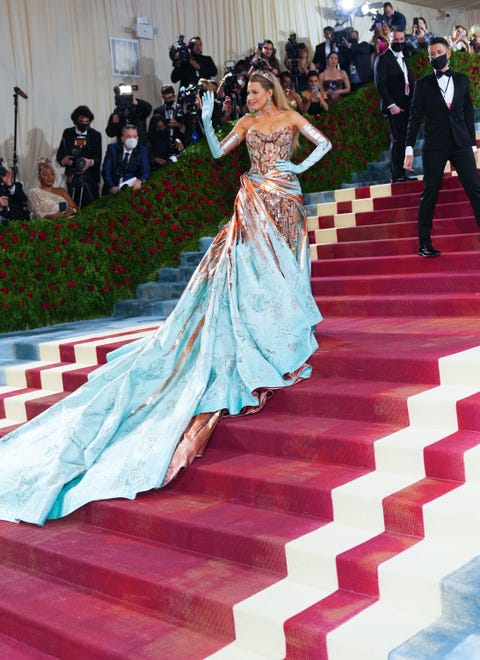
(340, 522)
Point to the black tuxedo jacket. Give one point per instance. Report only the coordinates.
(390, 82)
(440, 121)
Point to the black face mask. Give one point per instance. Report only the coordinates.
(397, 47)
(354, 41)
(439, 62)
(83, 127)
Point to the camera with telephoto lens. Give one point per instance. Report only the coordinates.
(377, 20)
(179, 51)
(3, 169)
(188, 98)
(292, 49)
(79, 161)
(124, 99)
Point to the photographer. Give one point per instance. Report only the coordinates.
(164, 148)
(189, 64)
(13, 201)
(126, 163)
(264, 59)
(357, 57)
(297, 62)
(80, 153)
(233, 90)
(171, 113)
(128, 110)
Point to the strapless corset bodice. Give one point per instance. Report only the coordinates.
(266, 148)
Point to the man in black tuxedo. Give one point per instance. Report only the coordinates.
(443, 96)
(80, 153)
(394, 83)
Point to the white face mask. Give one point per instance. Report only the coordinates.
(131, 142)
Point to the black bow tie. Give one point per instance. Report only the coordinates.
(439, 74)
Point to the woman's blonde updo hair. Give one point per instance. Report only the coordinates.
(269, 81)
(42, 162)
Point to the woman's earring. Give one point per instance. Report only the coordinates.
(269, 103)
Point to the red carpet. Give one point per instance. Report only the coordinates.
(158, 577)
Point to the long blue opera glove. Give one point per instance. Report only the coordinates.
(217, 148)
(323, 146)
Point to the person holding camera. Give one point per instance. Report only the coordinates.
(164, 148)
(357, 56)
(265, 59)
(190, 64)
(47, 200)
(13, 201)
(171, 114)
(80, 153)
(459, 40)
(294, 99)
(314, 99)
(134, 112)
(126, 163)
(420, 35)
(297, 61)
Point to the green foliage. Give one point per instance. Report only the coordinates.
(52, 271)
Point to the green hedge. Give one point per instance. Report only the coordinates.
(53, 272)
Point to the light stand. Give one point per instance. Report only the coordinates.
(16, 93)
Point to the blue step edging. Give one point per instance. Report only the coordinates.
(158, 298)
(457, 631)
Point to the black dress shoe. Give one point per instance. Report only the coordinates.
(428, 251)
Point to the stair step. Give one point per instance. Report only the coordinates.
(71, 623)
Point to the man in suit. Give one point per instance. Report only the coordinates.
(126, 163)
(443, 97)
(80, 153)
(394, 83)
(323, 50)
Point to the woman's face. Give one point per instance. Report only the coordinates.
(332, 60)
(46, 176)
(267, 50)
(286, 82)
(313, 82)
(257, 97)
(385, 30)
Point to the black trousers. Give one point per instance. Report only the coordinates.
(463, 159)
(398, 134)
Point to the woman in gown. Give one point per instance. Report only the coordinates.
(334, 81)
(242, 327)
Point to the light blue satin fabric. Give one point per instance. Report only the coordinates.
(243, 323)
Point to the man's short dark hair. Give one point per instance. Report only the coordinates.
(387, 4)
(167, 89)
(82, 110)
(439, 40)
(129, 127)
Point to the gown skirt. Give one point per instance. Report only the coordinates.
(242, 328)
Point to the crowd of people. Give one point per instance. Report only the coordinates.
(147, 139)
